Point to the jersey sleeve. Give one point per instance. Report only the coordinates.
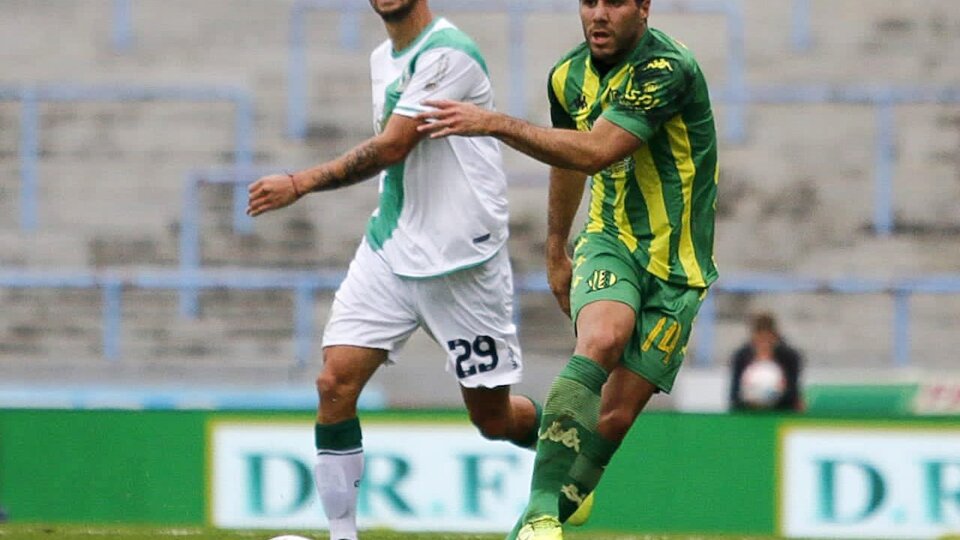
(559, 117)
(440, 73)
(655, 92)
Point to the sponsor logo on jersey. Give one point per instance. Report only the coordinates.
(620, 168)
(659, 64)
(579, 104)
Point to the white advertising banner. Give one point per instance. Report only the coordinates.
(869, 483)
(417, 477)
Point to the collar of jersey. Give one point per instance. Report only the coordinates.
(415, 42)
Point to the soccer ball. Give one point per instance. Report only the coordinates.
(762, 383)
(289, 537)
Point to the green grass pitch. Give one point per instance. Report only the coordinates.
(51, 532)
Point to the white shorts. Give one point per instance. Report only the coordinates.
(468, 312)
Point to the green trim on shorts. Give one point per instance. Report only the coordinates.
(605, 270)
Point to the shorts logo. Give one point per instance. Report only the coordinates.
(601, 279)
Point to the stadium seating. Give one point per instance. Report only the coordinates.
(798, 192)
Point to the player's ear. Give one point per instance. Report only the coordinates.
(644, 8)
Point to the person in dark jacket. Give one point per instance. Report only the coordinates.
(766, 345)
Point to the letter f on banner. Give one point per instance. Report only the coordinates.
(939, 496)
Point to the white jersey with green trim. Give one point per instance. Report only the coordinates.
(444, 207)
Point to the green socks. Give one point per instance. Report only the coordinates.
(585, 473)
(570, 418)
(338, 437)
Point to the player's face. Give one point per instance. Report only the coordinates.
(613, 27)
(393, 10)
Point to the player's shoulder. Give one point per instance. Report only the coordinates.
(446, 36)
(658, 51)
(382, 51)
(578, 53)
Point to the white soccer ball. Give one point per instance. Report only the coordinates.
(762, 383)
(289, 537)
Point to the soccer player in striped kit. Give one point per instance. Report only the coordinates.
(631, 110)
(434, 254)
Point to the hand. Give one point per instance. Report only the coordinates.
(454, 118)
(271, 193)
(559, 275)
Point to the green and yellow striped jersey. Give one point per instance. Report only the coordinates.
(659, 202)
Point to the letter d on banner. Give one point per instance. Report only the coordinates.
(263, 502)
(830, 499)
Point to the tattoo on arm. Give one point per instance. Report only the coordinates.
(355, 166)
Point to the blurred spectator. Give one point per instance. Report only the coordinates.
(3, 515)
(765, 371)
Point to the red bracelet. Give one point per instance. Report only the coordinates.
(294, 184)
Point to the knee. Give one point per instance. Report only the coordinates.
(604, 345)
(491, 427)
(333, 387)
(615, 424)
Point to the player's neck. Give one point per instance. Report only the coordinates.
(605, 65)
(403, 32)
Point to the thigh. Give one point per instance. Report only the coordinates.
(487, 402)
(470, 314)
(372, 308)
(602, 271)
(658, 346)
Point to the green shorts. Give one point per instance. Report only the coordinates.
(605, 270)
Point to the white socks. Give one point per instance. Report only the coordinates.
(337, 476)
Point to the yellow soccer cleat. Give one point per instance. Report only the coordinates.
(541, 528)
(582, 514)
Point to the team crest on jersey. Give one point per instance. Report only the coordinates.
(601, 279)
(443, 67)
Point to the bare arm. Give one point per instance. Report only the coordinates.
(363, 161)
(566, 192)
(586, 151)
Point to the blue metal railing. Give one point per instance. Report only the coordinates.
(305, 285)
(121, 31)
(517, 12)
(191, 217)
(883, 98)
(31, 97)
(800, 26)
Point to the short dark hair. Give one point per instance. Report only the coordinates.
(764, 322)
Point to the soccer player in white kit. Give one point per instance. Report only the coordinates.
(434, 254)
